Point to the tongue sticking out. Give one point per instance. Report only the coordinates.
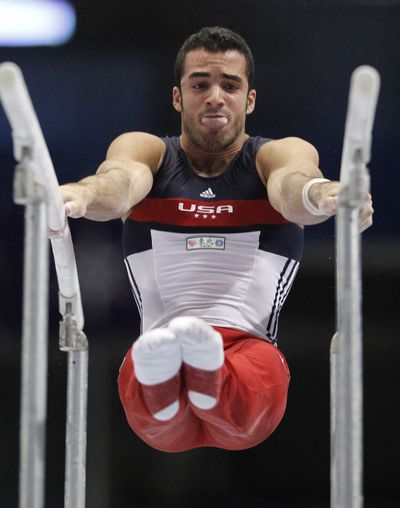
(214, 122)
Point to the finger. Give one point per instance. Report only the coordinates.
(365, 224)
(73, 210)
(366, 212)
(57, 233)
(328, 205)
(366, 216)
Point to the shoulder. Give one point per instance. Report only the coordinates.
(286, 151)
(287, 148)
(138, 146)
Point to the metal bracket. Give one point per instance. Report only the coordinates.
(67, 304)
(20, 144)
(354, 194)
(27, 191)
(71, 338)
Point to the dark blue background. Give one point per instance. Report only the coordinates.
(116, 76)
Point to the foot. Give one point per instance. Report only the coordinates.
(203, 355)
(157, 361)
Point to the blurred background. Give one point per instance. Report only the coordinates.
(115, 75)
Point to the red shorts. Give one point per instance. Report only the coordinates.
(255, 381)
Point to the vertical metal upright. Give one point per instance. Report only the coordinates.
(32, 195)
(349, 382)
(346, 345)
(74, 342)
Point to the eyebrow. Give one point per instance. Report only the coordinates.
(199, 74)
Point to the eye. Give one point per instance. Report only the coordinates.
(231, 87)
(199, 86)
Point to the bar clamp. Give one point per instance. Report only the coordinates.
(71, 337)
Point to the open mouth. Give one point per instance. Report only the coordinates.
(214, 121)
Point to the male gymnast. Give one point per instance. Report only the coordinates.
(213, 237)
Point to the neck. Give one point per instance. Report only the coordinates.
(210, 164)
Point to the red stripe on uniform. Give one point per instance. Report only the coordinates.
(188, 212)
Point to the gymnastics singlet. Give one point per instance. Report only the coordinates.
(216, 249)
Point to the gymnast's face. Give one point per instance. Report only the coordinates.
(214, 98)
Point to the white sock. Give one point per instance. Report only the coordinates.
(168, 412)
(201, 400)
(201, 346)
(157, 356)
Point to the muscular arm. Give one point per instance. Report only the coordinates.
(287, 165)
(121, 181)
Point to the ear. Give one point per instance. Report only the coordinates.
(251, 102)
(177, 99)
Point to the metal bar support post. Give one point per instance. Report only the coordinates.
(74, 342)
(348, 445)
(29, 193)
(346, 355)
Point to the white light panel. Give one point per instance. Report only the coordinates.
(36, 22)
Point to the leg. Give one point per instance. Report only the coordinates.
(248, 392)
(182, 432)
(158, 360)
(255, 380)
(150, 383)
(202, 350)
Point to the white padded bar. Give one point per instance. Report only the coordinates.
(27, 133)
(363, 98)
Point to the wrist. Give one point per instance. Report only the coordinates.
(307, 203)
(87, 191)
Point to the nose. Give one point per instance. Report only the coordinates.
(215, 96)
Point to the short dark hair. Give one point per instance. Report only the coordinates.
(215, 39)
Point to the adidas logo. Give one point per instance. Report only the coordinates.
(208, 193)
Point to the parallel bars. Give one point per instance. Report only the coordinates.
(36, 187)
